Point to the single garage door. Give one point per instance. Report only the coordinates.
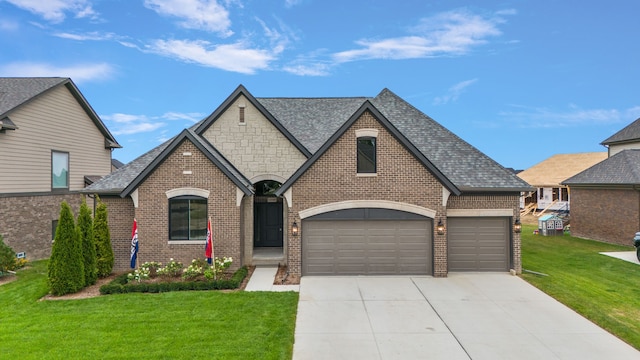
(478, 244)
(366, 242)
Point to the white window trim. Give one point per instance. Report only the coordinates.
(367, 133)
(187, 191)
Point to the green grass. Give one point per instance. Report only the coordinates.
(603, 289)
(174, 325)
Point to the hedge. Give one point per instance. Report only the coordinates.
(119, 285)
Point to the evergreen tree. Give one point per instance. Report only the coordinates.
(7, 257)
(85, 228)
(66, 266)
(104, 251)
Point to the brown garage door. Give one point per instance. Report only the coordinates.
(366, 247)
(478, 244)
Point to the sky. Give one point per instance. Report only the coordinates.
(521, 80)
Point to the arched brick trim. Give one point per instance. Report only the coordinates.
(355, 204)
(187, 191)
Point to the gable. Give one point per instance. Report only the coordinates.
(56, 121)
(255, 147)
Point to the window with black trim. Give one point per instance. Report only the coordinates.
(187, 218)
(59, 170)
(366, 155)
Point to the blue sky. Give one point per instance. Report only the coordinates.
(520, 80)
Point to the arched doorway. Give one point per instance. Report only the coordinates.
(267, 215)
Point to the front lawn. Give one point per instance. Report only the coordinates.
(603, 289)
(174, 325)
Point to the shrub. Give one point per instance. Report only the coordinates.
(173, 269)
(66, 265)
(7, 257)
(119, 284)
(104, 251)
(85, 229)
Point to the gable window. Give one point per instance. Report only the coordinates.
(59, 170)
(366, 155)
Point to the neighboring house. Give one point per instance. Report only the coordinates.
(547, 176)
(116, 164)
(51, 143)
(326, 186)
(606, 197)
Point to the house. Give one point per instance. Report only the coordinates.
(546, 177)
(606, 197)
(327, 186)
(51, 142)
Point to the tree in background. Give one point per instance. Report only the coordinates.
(66, 265)
(104, 251)
(85, 229)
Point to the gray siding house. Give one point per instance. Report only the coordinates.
(51, 142)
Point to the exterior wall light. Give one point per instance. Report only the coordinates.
(294, 229)
(517, 226)
(440, 228)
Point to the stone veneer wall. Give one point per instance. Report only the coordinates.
(507, 201)
(152, 213)
(400, 178)
(605, 214)
(26, 221)
(256, 147)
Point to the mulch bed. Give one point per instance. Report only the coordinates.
(284, 278)
(5, 279)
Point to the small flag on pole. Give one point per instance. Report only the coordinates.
(208, 249)
(134, 244)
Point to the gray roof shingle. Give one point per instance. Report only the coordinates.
(630, 132)
(16, 91)
(313, 121)
(622, 168)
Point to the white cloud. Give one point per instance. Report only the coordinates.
(191, 117)
(230, 57)
(308, 69)
(449, 33)
(196, 14)
(527, 117)
(55, 10)
(78, 73)
(129, 124)
(291, 3)
(8, 25)
(142, 127)
(454, 92)
(94, 36)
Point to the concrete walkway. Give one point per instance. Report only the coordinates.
(629, 256)
(262, 280)
(464, 316)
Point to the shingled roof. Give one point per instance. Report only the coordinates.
(629, 133)
(622, 168)
(315, 121)
(17, 91)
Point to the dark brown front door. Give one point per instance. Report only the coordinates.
(268, 223)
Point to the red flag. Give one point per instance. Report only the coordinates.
(134, 244)
(208, 252)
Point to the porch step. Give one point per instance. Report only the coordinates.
(268, 256)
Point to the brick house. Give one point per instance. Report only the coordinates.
(51, 144)
(362, 185)
(605, 197)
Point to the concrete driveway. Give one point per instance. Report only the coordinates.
(465, 316)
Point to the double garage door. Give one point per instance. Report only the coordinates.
(367, 242)
(389, 242)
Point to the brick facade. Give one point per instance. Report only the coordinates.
(610, 215)
(120, 216)
(26, 221)
(152, 213)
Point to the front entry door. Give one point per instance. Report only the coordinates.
(268, 223)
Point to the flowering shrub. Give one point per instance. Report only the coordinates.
(196, 268)
(173, 268)
(220, 265)
(146, 271)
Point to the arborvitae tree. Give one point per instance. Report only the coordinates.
(85, 228)
(104, 252)
(66, 266)
(7, 257)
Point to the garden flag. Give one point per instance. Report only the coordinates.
(208, 248)
(134, 244)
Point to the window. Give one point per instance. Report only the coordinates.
(565, 194)
(541, 193)
(366, 155)
(187, 218)
(59, 170)
(555, 194)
